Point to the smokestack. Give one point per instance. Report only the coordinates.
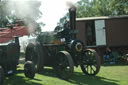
(72, 12)
(17, 40)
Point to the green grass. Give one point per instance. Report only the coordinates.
(108, 75)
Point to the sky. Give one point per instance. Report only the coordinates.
(52, 11)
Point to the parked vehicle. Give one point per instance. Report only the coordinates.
(9, 57)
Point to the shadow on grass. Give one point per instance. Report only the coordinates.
(80, 78)
(20, 80)
(48, 72)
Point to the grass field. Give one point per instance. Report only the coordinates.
(108, 75)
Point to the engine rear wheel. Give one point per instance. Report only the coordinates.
(64, 66)
(2, 77)
(91, 62)
(40, 54)
(33, 54)
(29, 69)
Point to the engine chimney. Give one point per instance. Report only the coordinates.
(17, 40)
(72, 12)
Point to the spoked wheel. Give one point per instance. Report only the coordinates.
(64, 66)
(1, 76)
(91, 62)
(29, 69)
(32, 54)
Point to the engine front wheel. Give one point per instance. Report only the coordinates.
(64, 65)
(29, 69)
(90, 62)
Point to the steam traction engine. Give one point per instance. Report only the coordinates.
(10, 53)
(62, 51)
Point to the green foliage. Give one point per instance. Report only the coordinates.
(90, 8)
(63, 20)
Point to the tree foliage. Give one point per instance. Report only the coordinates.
(63, 20)
(89, 8)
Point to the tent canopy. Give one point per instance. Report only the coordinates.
(8, 34)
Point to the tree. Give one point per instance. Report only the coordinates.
(89, 8)
(119, 7)
(63, 19)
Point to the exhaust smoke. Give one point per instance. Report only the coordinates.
(26, 10)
